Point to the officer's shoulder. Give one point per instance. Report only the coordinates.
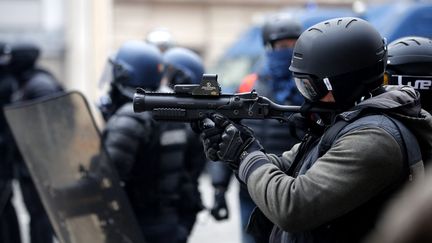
(126, 110)
(381, 123)
(42, 78)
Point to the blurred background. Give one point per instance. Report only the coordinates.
(77, 36)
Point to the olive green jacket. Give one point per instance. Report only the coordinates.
(360, 164)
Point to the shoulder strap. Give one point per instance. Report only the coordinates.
(307, 142)
(412, 151)
(407, 142)
(330, 135)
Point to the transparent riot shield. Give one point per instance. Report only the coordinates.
(61, 146)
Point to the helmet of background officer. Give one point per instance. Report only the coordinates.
(410, 63)
(279, 35)
(22, 57)
(338, 61)
(136, 64)
(161, 38)
(281, 31)
(182, 66)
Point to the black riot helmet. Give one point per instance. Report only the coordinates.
(410, 63)
(136, 64)
(344, 55)
(280, 27)
(23, 57)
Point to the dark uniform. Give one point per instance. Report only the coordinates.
(150, 158)
(33, 83)
(154, 159)
(9, 228)
(183, 66)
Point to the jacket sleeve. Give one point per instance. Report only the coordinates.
(123, 136)
(358, 166)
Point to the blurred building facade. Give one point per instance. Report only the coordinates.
(76, 36)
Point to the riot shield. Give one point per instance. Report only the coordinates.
(80, 191)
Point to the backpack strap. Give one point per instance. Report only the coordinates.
(407, 142)
(330, 136)
(412, 150)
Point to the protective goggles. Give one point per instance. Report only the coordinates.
(417, 82)
(312, 88)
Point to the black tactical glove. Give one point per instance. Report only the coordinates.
(228, 141)
(220, 210)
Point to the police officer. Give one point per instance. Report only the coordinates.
(33, 82)
(410, 63)
(331, 187)
(275, 81)
(9, 228)
(183, 66)
(148, 155)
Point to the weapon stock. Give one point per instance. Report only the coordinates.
(194, 102)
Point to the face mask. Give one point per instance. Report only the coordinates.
(279, 62)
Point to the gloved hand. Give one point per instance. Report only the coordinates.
(227, 141)
(219, 210)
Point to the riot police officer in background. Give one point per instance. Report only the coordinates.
(32, 82)
(148, 155)
(275, 81)
(333, 185)
(410, 63)
(9, 228)
(183, 66)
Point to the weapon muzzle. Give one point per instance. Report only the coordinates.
(139, 100)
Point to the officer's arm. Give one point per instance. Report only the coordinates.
(194, 156)
(359, 165)
(121, 138)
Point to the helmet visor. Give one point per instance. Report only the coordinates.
(114, 72)
(107, 76)
(307, 88)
